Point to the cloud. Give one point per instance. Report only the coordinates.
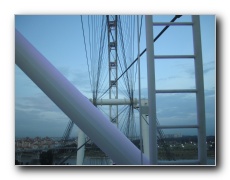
(180, 109)
(38, 116)
(38, 101)
(35, 113)
(168, 78)
(78, 77)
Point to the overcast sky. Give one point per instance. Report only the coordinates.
(60, 40)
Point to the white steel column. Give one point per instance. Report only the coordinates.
(139, 87)
(202, 151)
(151, 90)
(75, 105)
(145, 134)
(116, 102)
(81, 151)
(145, 126)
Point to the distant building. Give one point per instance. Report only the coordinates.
(178, 135)
(36, 143)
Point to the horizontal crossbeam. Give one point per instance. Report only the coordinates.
(114, 101)
(176, 126)
(174, 56)
(176, 91)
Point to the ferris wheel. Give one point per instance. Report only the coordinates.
(113, 79)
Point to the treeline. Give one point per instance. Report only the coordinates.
(187, 139)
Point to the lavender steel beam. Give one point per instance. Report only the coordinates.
(76, 106)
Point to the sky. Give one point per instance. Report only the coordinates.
(60, 40)
(8, 10)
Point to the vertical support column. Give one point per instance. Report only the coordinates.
(145, 134)
(151, 90)
(80, 142)
(139, 87)
(145, 127)
(112, 59)
(202, 151)
(108, 28)
(116, 70)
